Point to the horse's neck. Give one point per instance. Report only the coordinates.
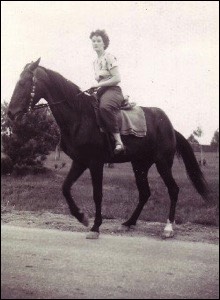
(74, 115)
(63, 109)
(76, 120)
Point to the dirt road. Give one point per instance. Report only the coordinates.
(54, 264)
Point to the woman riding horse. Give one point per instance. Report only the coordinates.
(83, 142)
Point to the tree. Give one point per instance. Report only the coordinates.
(192, 139)
(5, 123)
(215, 140)
(198, 133)
(30, 139)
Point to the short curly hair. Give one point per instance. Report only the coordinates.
(103, 35)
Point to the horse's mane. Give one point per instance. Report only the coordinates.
(65, 89)
(61, 82)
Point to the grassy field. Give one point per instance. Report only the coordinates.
(43, 193)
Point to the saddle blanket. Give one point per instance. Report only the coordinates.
(133, 121)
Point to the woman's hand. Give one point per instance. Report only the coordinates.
(95, 85)
(92, 88)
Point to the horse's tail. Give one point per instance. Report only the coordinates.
(194, 172)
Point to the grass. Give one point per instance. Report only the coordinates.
(43, 192)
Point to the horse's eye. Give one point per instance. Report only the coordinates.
(21, 83)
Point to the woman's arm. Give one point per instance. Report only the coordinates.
(114, 80)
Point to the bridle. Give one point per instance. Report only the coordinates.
(32, 107)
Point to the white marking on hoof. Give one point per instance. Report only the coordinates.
(133, 227)
(168, 230)
(123, 228)
(85, 221)
(92, 235)
(167, 234)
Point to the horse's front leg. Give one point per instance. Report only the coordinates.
(75, 171)
(96, 170)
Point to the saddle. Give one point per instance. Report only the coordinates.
(126, 104)
(131, 120)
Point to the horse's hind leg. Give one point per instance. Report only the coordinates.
(165, 170)
(75, 171)
(96, 170)
(141, 171)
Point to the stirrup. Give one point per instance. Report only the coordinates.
(119, 148)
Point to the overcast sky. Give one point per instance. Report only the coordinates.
(167, 51)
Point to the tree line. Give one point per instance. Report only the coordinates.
(197, 134)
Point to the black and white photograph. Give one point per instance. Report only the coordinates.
(110, 150)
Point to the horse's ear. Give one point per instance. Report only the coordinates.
(37, 62)
(34, 65)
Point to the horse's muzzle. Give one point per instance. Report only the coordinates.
(10, 115)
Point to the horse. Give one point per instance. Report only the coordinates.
(87, 145)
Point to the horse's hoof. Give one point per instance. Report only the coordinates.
(92, 235)
(167, 234)
(132, 227)
(85, 221)
(123, 228)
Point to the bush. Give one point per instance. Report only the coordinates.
(28, 141)
(21, 170)
(6, 165)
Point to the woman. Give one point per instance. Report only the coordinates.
(108, 77)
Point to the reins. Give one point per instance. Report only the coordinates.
(38, 106)
(89, 92)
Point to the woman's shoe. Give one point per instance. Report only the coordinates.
(119, 148)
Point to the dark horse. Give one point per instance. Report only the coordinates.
(88, 147)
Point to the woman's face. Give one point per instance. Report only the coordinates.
(97, 43)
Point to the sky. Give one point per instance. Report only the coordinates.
(168, 51)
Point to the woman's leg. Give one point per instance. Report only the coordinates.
(110, 104)
(119, 147)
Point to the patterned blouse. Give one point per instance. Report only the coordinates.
(103, 65)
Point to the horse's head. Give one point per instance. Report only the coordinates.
(25, 94)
